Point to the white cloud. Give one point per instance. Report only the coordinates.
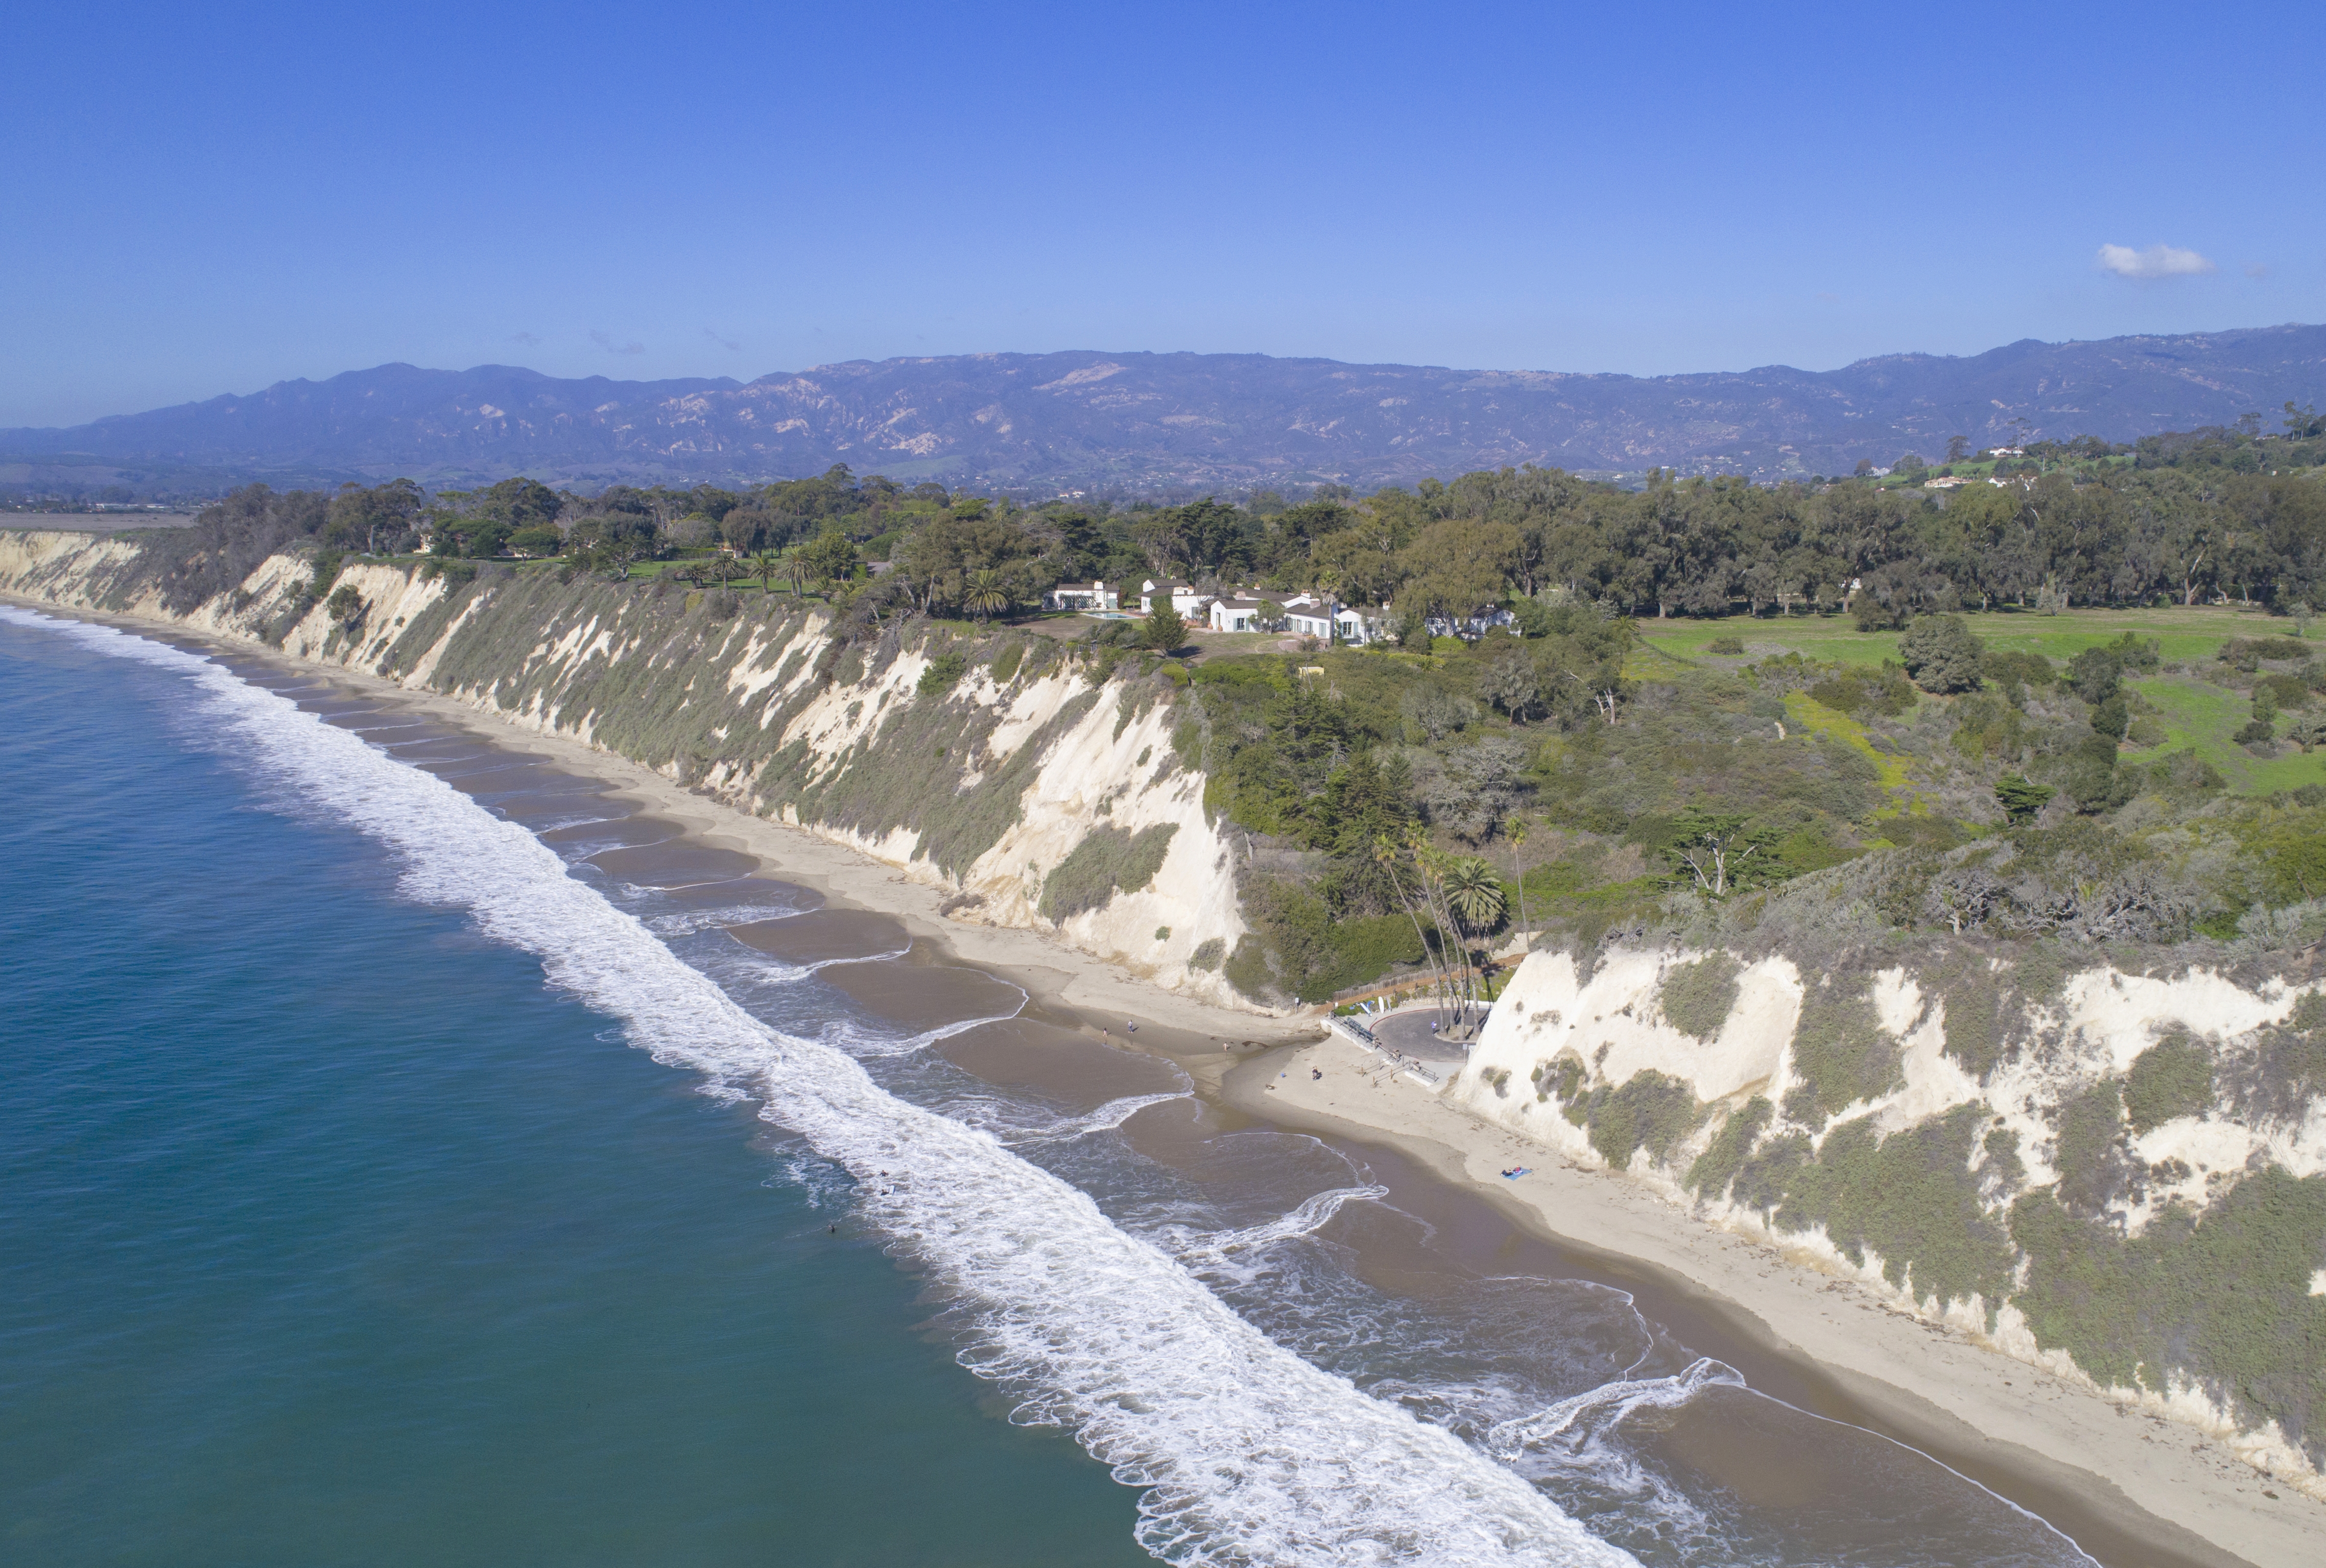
(2158, 261)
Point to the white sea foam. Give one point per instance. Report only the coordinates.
(858, 1040)
(687, 921)
(1105, 1118)
(1252, 1455)
(1306, 1218)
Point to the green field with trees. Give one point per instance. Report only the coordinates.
(1992, 734)
(1708, 688)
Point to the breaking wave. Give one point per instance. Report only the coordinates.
(1249, 1453)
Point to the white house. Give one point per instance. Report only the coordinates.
(1237, 615)
(1185, 602)
(1084, 596)
(1362, 628)
(1308, 616)
(1470, 629)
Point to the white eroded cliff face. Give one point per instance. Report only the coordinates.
(2045, 1179)
(987, 787)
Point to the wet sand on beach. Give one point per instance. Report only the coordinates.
(1446, 1224)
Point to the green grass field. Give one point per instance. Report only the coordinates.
(2196, 713)
(2196, 633)
(2203, 717)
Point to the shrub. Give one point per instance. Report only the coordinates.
(1164, 629)
(1562, 1078)
(1941, 654)
(1872, 615)
(2093, 674)
(1208, 954)
(2174, 1077)
(2008, 670)
(2221, 1298)
(1885, 692)
(2088, 1126)
(1717, 1167)
(1651, 1112)
(943, 672)
(346, 605)
(1969, 1023)
(2284, 691)
(2245, 652)
(1247, 969)
(2021, 800)
(1840, 1053)
(1697, 997)
(1911, 1198)
(1108, 860)
(2186, 773)
(1727, 646)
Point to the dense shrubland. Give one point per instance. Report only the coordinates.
(1968, 789)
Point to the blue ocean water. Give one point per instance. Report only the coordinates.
(407, 1153)
(331, 1235)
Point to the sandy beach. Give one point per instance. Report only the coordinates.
(2135, 1482)
(2132, 1488)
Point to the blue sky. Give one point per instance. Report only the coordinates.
(211, 199)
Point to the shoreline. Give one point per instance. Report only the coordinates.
(2059, 1450)
(2139, 1487)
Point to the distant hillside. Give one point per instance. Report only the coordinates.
(1146, 422)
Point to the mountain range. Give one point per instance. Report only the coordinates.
(1142, 422)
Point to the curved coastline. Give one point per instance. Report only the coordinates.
(2056, 1449)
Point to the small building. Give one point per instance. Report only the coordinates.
(1471, 627)
(1307, 615)
(1361, 628)
(1185, 602)
(1237, 615)
(1083, 596)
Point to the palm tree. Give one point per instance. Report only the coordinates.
(1474, 890)
(985, 595)
(1388, 851)
(1436, 869)
(797, 569)
(768, 564)
(1515, 830)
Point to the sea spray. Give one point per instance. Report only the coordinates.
(1250, 1454)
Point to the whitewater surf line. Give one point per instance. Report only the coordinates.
(1248, 1453)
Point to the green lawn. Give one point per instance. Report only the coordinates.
(2196, 633)
(2202, 716)
(2197, 714)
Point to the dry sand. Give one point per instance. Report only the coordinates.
(2138, 1478)
(2156, 1491)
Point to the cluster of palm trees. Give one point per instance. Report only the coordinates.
(1461, 896)
(766, 564)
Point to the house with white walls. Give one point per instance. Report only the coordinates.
(1186, 599)
(1471, 627)
(1309, 615)
(1240, 615)
(1083, 596)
